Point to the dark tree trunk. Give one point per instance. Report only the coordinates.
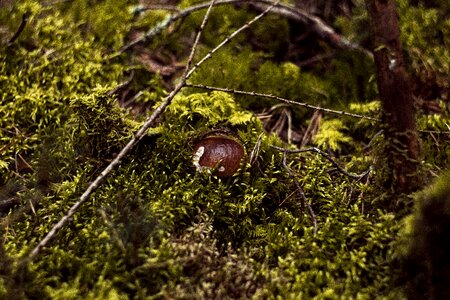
(402, 142)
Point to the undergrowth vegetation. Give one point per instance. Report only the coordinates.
(156, 228)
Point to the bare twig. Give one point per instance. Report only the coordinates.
(133, 99)
(137, 137)
(19, 30)
(434, 131)
(158, 7)
(317, 25)
(255, 94)
(374, 137)
(323, 30)
(122, 85)
(304, 201)
(312, 128)
(315, 58)
(50, 3)
(155, 31)
(327, 157)
(228, 38)
(116, 161)
(96, 183)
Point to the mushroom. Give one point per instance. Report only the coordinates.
(220, 154)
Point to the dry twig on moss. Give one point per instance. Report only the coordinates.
(303, 199)
(288, 101)
(323, 30)
(327, 157)
(19, 30)
(150, 121)
(136, 138)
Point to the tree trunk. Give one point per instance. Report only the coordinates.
(402, 144)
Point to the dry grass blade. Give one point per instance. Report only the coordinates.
(312, 129)
(255, 151)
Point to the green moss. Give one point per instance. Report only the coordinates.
(208, 110)
(424, 246)
(156, 228)
(330, 135)
(425, 31)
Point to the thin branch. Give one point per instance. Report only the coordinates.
(134, 140)
(228, 38)
(255, 94)
(434, 131)
(315, 59)
(194, 46)
(137, 137)
(323, 30)
(148, 36)
(19, 30)
(158, 7)
(304, 201)
(155, 31)
(133, 99)
(50, 3)
(96, 183)
(332, 161)
(122, 85)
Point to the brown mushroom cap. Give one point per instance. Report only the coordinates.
(222, 153)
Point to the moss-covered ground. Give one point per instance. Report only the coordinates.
(156, 228)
